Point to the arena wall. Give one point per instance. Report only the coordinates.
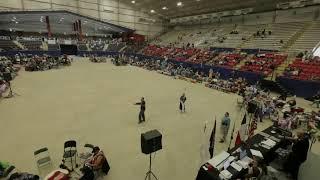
(111, 11)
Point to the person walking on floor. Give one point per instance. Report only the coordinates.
(142, 104)
(225, 124)
(182, 105)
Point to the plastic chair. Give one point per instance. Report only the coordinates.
(43, 161)
(42, 157)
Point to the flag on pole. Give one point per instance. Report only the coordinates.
(253, 126)
(231, 138)
(243, 128)
(212, 139)
(238, 140)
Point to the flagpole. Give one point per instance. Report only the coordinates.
(212, 139)
(231, 135)
(250, 121)
(239, 115)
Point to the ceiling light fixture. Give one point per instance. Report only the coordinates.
(164, 8)
(133, 2)
(17, 22)
(152, 11)
(179, 3)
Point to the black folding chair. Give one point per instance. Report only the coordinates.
(70, 151)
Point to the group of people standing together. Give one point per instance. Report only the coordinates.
(142, 103)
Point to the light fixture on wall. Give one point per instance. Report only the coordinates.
(152, 11)
(133, 2)
(164, 8)
(179, 3)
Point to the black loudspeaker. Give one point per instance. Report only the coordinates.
(252, 107)
(151, 141)
(7, 77)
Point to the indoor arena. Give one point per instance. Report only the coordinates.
(159, 90)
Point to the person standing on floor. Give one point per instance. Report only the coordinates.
(142, 104)
(298, 155)
(225, 124)
(182, 105)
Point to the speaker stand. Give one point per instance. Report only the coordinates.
(11, 92)
(150, 173)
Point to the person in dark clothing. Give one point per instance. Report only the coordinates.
(298, 155)
(142, 104)
(87, 173)
(182, 105)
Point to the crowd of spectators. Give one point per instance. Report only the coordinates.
(195, 55)
(43, 63)
(97, 45)
(264, 63)
(262, 34)
(305, 68)
(96, 59)
(211, 79)
(227, 59)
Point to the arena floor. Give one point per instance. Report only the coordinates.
(93, 103)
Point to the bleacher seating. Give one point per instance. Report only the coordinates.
(82, 46)
(227, 59)
(115, 46)
(309, 39)
(195, 55)
(97, 45)
(53, 47)
(31, 44)
(283, 31)
(8, 45)
(308, 69)
(264, 63)
(230, 40)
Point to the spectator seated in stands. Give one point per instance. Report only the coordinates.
(225, 59)
(264, 63)
(234, 32)
(292, 71)
(304, 69)
(97, 45)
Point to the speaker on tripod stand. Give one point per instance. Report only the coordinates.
(151, 142)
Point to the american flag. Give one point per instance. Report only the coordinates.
(253, 126)
(231, 138)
